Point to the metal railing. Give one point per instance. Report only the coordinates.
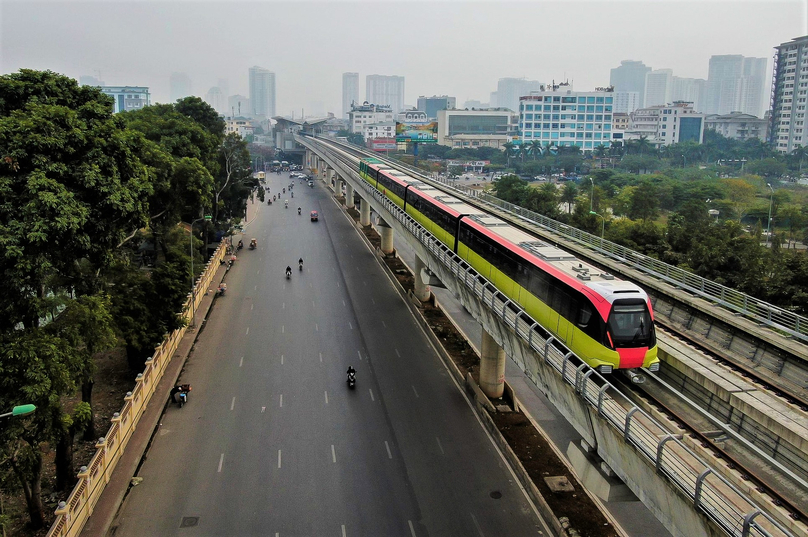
(711, 493)
(731, 299)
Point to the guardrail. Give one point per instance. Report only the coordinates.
(72, 514)
(731, 299)
(711, 494)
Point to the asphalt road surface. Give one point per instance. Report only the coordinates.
(273, 443)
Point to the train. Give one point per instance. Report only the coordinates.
(606, 321)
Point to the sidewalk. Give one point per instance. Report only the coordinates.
(106, 509)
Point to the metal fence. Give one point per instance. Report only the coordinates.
(735, 301)
(711, 493)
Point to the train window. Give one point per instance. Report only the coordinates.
(539, 284)
(630, 324)
(584, 315)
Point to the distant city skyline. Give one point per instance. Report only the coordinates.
(98, 39)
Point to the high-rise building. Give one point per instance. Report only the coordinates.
(562, 117)
(625, 102)
(180, 86)
(127, 98)
(510, 89)
(216, 99)
(691, 90)
(475, 104)
(630, 76)
(736, 84)
(224, 86)
(238, 105)
(350, 91)
(431, 105)
(658, 87)
(385, 90)
(364, 114)
(667, 124)
(262, 93)
(86, 80)
(789, 129)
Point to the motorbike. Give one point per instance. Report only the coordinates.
(288, 273)
(293, 194)
(300, 266)
(286, 204)
(179, 394)
(221, 290)
(269, 202)
(253, 244)
(352, 380)
(240, 245)
(298, 211)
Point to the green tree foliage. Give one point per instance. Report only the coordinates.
(644, 202)
(510, 188)
(234, 181)
(202, 114)
(543, 200)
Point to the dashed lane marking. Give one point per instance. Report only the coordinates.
(333, 454)
(416, 391)
(371, 395)
(387, 447)
(440, 447)
(279, 458)
(232, 403)
(221, 461)
(248, 331)
(326, 397)
(398, 353)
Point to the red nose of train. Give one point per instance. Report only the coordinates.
(631, 357)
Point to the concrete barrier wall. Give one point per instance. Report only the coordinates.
(72, 514)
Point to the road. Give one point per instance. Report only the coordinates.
(272, 442)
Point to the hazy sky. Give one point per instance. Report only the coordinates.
(460, 48)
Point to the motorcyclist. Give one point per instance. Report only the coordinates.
(351, 371)
(300, 263)
(298, 210)
(286, 203)
(288, 271)
(240, 244)
(293, 194)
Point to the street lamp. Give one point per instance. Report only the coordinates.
(193, 287)
(20, 410)
(602, 226)
(591, 194)
(769, 223)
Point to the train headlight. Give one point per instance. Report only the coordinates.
(604, 369)
(653, 368)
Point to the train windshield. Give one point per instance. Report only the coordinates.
(630, 324)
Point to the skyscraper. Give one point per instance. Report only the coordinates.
(510, 89)
(789, 129)
(431, 105)
(386, 90)
(262, 93)
(630, 76)
(736, 84)
(350, 91)
(216, 99)
(658, 87)
(180, 86)
(691, 90)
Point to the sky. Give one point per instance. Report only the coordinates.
(454, 47)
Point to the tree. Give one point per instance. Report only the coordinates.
(769, 167)
(203, 114)
(235, 180)
(508, 147)
(644, 202)
(740, 195)
(799, 155)
(543, 200)
(569, 194)
(71, 187)
(536, 148)
(510, 188)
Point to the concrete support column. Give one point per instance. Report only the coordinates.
(386, 233)
(422, 290)
(338, 185)
(349, 195)
(492, 367)
(364, 212)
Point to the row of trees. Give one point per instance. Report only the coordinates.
(92, 254)
(667, 216)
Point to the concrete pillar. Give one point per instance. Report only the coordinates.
(349, 195)
(364, 212)
(386, 233)
(422, 290)
(338, 185)
(492, 367)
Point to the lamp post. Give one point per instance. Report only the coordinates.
(769, 223)
(602, 226)
(193, 287)
(591, 194)
(20, 410)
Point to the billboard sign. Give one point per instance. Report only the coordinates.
(382, 144)
(417, 132)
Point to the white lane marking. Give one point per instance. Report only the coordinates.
(279, 458)
(343, 531)
(248, 331)
(263, 409)
(258, 271)
(232, 403)
(371, 395)
(440, 447)
(416, 391)
(398, 353)
(337, 284)
(412, 529)
(316, 327)
(241, 362)
(281, 359)
(350, 325)
(221, 461)
(309, 285)
(255, 288)
(321, 357)
(360, 355)
(343, 302)
(384, 324)
(477, 525)
(281, 403)
(326, 397)
(373, 300)
(333, 454)
(351, 256)
(283, 328)
(387, 447)
(252, 306)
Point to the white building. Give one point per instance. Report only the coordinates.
(127, 98)
(563, 117)
(262, 93)
(510, 89)
(412, 116)
(492, 127)
(736, 83)
(691, 90)
(626, 102)
(789, 129)
(630, 76)
(180, 86)
(667, 124)
(658, 87)
(215, 98)
(239, 125)
(386, 130)
(350, 92)
(385, 90)
(737, 125)
(368, 114)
